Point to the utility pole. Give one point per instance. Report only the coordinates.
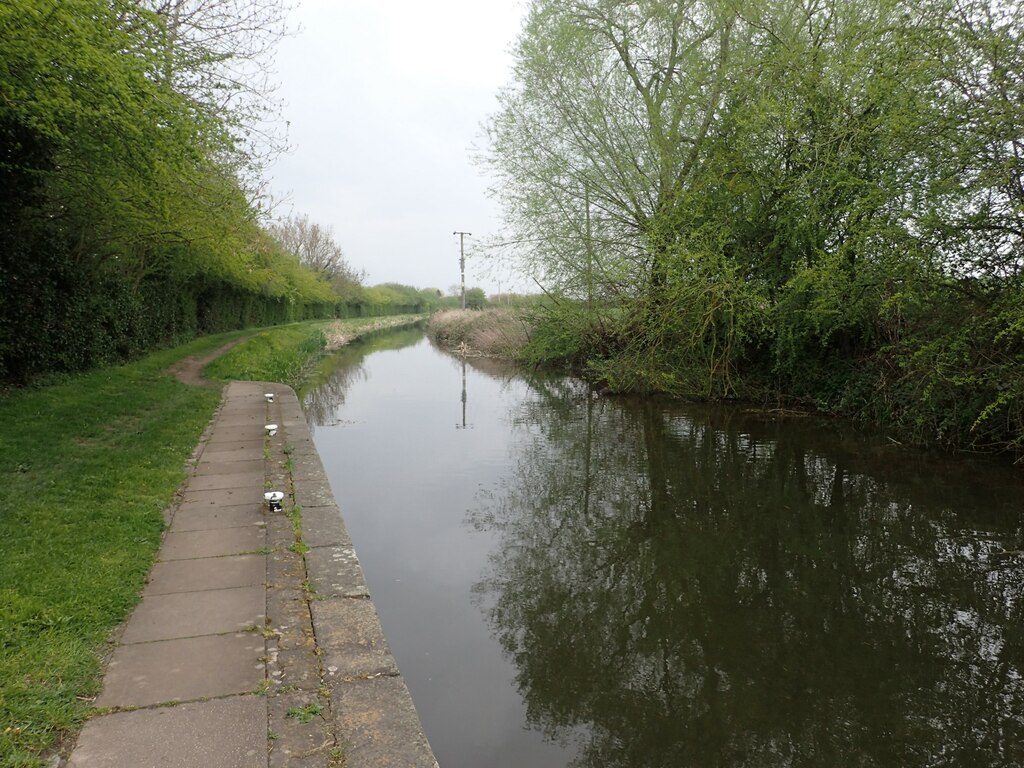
(462, 261)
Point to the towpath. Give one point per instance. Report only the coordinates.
(255, 643)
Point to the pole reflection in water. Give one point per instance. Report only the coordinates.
(681, 586)
(463, 424)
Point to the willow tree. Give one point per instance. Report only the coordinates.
(715, 166)
(600, 140)
(603, 128)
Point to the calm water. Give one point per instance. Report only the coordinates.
(567, 580)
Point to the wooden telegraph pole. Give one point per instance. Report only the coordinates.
(462, 261)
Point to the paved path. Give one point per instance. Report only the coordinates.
(255, 643)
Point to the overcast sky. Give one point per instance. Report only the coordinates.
(385, 101)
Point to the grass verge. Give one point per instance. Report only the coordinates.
(87, 467)
(280, 354)
(288, 353)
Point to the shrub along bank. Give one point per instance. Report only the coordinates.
(819, 202)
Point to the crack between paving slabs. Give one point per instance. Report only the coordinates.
(276, 452)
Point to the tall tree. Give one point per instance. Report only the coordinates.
(315, 247)
(604, 128)
(220, 54)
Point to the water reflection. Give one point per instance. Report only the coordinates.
(495, 368)
(324, 393)
(701, 588)
(463, 424)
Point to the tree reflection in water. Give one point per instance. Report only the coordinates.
(695, 588)
(324, 394)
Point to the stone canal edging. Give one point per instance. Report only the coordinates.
(322, 627)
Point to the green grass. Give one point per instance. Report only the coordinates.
(305, 714)
(290, 353)
(87, 466)
(281, 354)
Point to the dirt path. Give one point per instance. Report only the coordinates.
(189, 370)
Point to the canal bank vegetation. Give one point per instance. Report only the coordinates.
(495, 332)
(133, 215)
(88, 464)
(818, 205)
(289, 353)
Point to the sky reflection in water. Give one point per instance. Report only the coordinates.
(612, 582)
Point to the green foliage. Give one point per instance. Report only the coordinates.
(475, 298)
(305, 714)
(283, 354)
(812, 202)
(564, 333)
(691, 336)
(123, 223)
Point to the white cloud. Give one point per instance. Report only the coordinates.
(384, 101)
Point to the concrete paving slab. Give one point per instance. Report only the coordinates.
(250, 447)
(252, 417)
(190, 545)
(377, 723)
(215, 465)
(352, 640)
(249, 424)
(280, 532)
(236, 404)
(289, 619)
(216, 481)
(226, 733)
(311, 466)
(187, 669)
(285, 568)
(206, 518)
(277, 479)
(335, 572)
(303, 741)
(302, 444)
(190, 614)
(298, 668)
(223, 497)
(314, 493)
(168, 578)
(324, 527)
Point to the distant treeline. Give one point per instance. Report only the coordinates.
(813, 203)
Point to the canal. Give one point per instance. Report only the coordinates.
(572, 580)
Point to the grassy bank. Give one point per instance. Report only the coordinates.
(88, 465)
(290, 352)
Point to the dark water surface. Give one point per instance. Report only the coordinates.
(567, 580)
